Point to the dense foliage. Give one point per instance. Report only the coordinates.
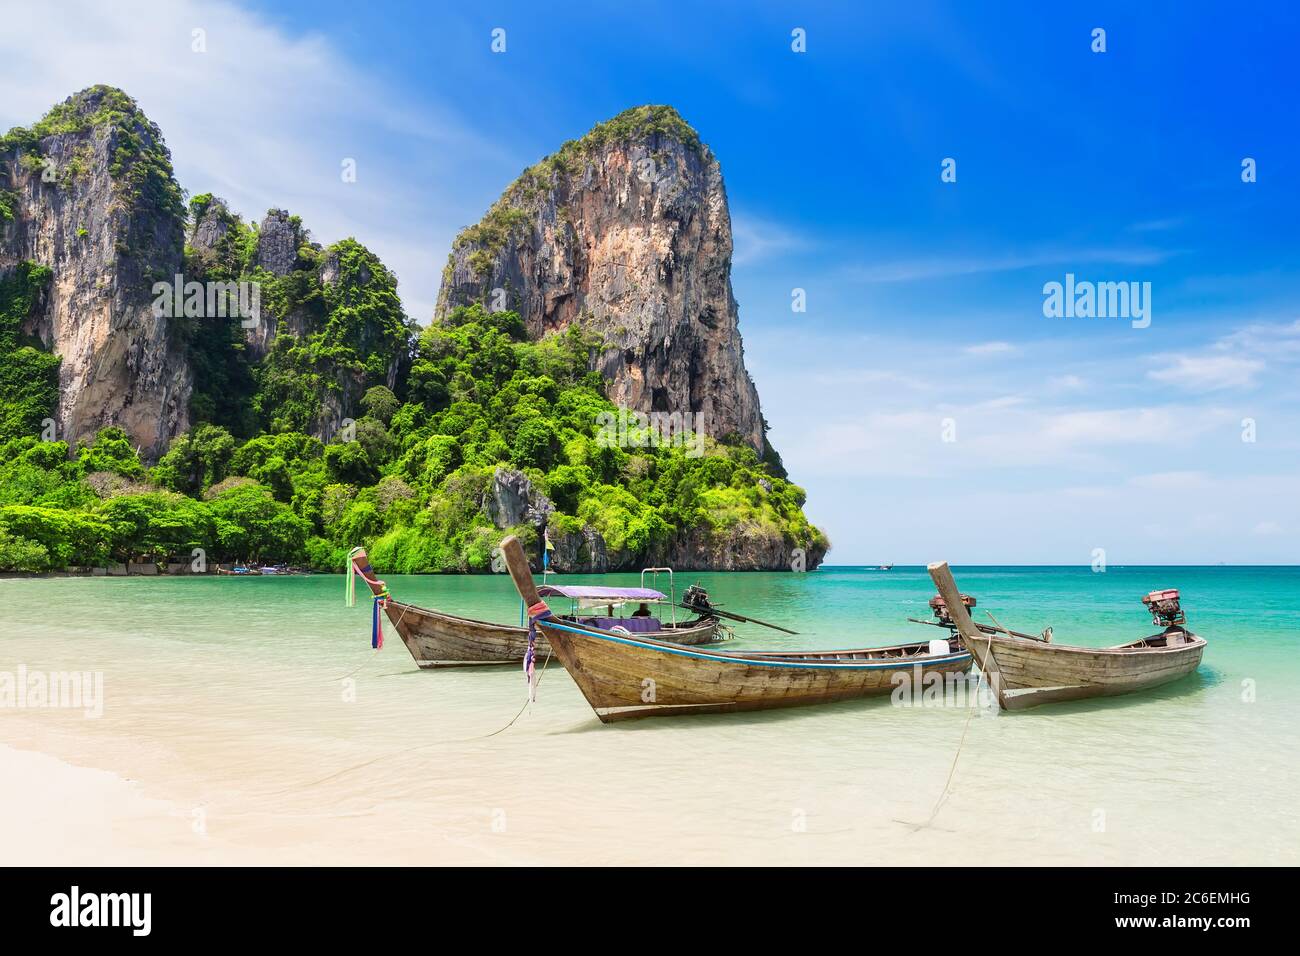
(336, 421)
(411, 484)
(29, 374)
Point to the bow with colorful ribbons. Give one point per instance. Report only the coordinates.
(377, 631)
(538, 612)
(381, 599)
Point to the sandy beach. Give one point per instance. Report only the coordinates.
(249, 721)
(58, 814)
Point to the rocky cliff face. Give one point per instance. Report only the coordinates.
(511, 501)
(215, 244)
(314, 301)
(93, 198)
(628, 232)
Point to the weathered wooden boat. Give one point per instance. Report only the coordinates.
(634, 675)
(438, 639)
(1025, 671)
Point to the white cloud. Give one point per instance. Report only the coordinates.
(1113, 426)
(1171, 480)
(873, 376)
(1235, 360)
(960, 264)
(1207, 373)
(756, 239)
(990, 348)
(1158, 225)
(263, 118)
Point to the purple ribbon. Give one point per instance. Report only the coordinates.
(530, 656)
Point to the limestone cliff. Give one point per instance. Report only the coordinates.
(627, 231)
(329, 324)
(90, 195)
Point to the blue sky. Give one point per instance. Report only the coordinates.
(924, 297)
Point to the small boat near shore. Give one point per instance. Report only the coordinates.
(438, 639)
(1025, 671)
(631, 675)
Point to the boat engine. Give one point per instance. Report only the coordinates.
(697, 599)
(940, 609)
(1166, 611)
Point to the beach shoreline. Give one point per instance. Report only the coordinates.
(257, 725)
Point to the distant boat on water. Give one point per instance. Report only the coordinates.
(257, 571)
(884, 567)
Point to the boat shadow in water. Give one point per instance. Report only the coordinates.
(730, 718)
(1197, 681)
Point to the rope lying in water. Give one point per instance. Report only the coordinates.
(407, 750)
(952, 770)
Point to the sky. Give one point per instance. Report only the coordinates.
(925, 401)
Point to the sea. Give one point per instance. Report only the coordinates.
(253, 715)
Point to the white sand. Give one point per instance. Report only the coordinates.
(54, 813)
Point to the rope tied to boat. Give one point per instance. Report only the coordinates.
(538, 612)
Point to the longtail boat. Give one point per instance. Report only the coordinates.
(1025, 671)
(634, 675)
(438, 639)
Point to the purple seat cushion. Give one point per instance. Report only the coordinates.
(633, 625)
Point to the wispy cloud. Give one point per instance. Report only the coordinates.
(1118, 426)
(1235, 360)
(990, 348)
(1171, 480)
(958, 264)
(756, 239)
(1207, 373)
(1158, 225)
(263, 117)
(1067, 382)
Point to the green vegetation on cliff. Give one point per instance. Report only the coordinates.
(29, 374)
(413, 481)
(331, 420)
(339, 329)
(140, 162)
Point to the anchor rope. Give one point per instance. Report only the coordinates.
(952, 769)
(407, 750)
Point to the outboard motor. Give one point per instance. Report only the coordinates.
(1166, 611)
(697, 599)
(940, 609)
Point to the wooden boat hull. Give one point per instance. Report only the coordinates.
(436, 639)
(1024, 672)
(1027, 673)
(631, 676)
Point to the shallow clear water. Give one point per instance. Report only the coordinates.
(226, 698)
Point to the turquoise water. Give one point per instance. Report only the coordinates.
(259, 702)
